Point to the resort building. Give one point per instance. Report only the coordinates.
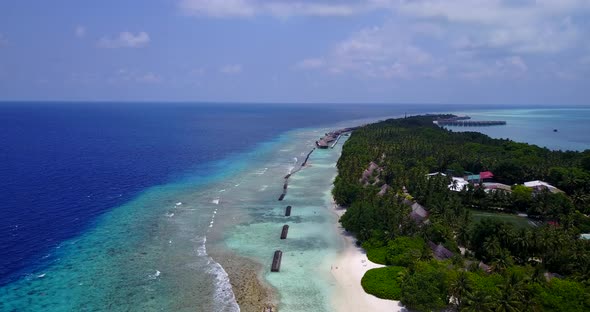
(439, 251)
(540, 186)
(419, 213)
(458, 184)
(485, 176)
(493, 186)
(384, 189)
(484, 267)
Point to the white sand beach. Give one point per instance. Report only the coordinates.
(348, 270)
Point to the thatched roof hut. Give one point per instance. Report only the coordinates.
(384, 189)
(439, 251)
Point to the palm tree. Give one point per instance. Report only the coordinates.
(478, 301)
(502, 261)
(463, 235)
(492, 247)
(460, 288)
(521, 245)
(511, 295)
(538, 275)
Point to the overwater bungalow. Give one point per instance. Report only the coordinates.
(322, 144)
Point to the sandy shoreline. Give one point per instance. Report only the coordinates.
(348, 270)
(252, 293)
(330, 283)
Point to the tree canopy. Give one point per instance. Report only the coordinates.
(399, 213)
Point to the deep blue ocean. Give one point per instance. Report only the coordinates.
(64, 164)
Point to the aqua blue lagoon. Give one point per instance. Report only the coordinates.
(120, 206)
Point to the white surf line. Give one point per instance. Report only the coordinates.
(224, 297)
(261, 172)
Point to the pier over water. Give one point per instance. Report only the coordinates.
(465, 121)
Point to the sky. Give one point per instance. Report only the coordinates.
(533, 52)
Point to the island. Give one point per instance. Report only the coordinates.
(465, 222)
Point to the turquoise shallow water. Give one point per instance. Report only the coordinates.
(304, 282)
(151, 253)
(536, 126)
(146, 255)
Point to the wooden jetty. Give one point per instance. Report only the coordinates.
(470, 123)
(307, 158)
(332, 137)
(336, 142)
(286, 183)
(276, 261)
(288, 211)
(284, 232)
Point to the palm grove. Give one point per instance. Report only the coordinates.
(503, 267)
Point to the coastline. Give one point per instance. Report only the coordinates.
(350, 266)
(251, 291)
(323, 278)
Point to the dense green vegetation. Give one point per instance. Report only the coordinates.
(384, 282)
(504, 263)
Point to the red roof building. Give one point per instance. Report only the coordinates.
(486, 175)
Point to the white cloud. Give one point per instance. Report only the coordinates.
(432, 38)
(511, 66)
(276, 8)
(149, 78)
(467, 38)
(231, 69)
(376, 52)
(3, 40)
(125, 75)
(218, 8)
(80, 31)
(310, 63)
(125, 40)
(541, 26)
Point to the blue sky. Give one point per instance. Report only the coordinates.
(401, 51)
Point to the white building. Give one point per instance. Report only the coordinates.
(540, 185)
(458, 184)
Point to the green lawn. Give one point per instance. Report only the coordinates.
(517, 221)
(383, 282)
